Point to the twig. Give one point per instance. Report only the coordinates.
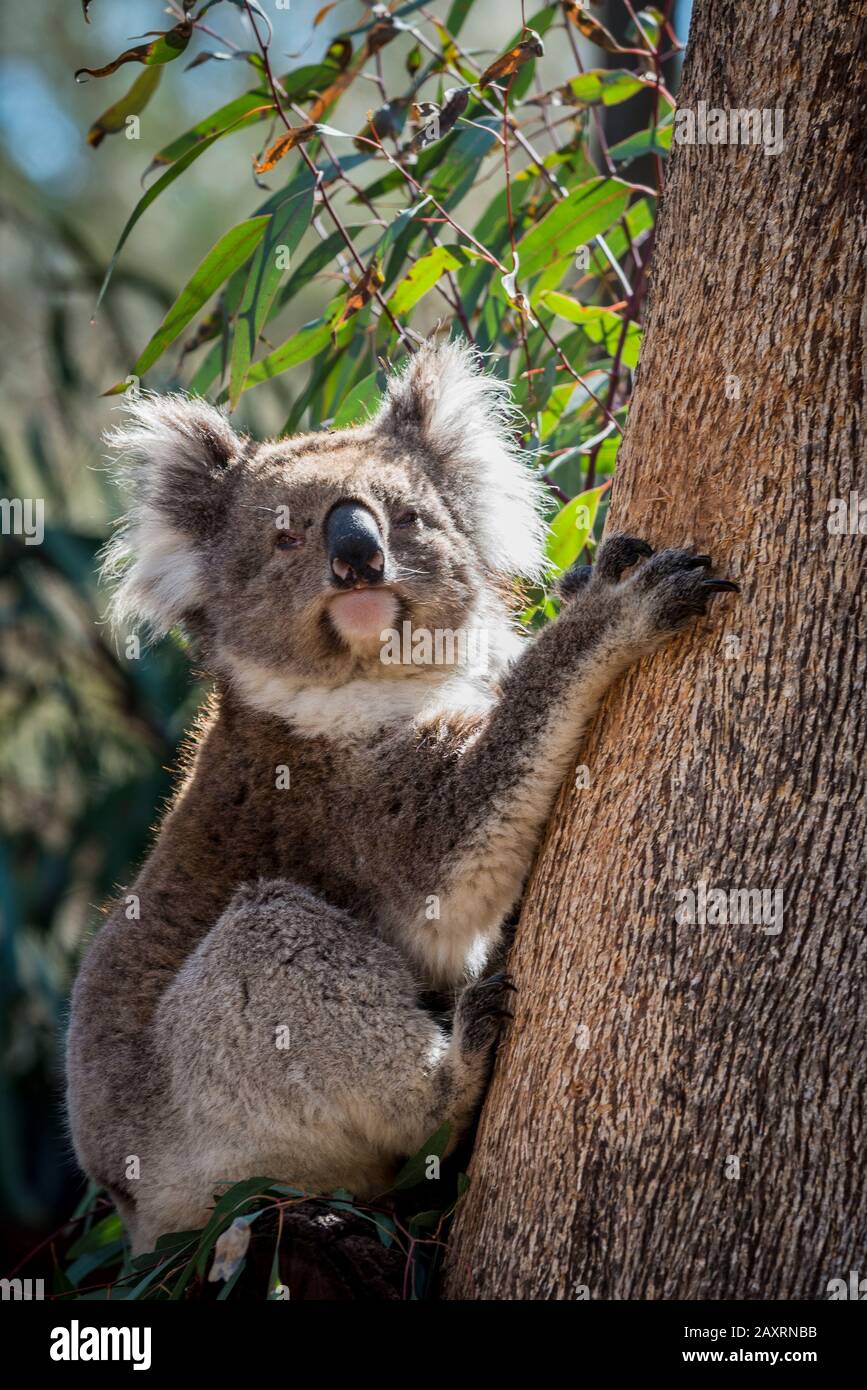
(320, 184)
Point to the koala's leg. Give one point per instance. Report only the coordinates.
(295, 1048)
(501, 791)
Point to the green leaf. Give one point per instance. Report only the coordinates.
(274, 1280)
(229, 252)
(601, 325)
(639, 219)
(93, 1191)
(211, 366)
(385, 1229)
(554, 408)
(571, 528)
(169, 1244)
(424, 275)
(315, 261)
(167, 46)
(286, 226)
(610, 86)
(457, 15)
(105, 1232)
(96, 1259)
(248, 109)
(135, 101)
(414, 1170)
(144, 203)
(457, 173)
(650, 141)
(303, 345)
(136, 1291)
(224, 1211)
(425, 1221)
(588, 210)
(359, 404)
(300, 348)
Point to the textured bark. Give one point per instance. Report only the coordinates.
(736, 756)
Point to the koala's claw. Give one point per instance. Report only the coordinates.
(500, 980)
(617, 554)
(481, 1010)
(722, 585)
(673, 582)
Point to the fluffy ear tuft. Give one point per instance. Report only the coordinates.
(174, 457)
(466, 421)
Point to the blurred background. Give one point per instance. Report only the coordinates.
(87, 737)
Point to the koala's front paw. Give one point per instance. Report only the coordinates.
(616, 554)
(674, 586)
(481, 1010)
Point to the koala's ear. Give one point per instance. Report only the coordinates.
(177, 459)
(464, 423)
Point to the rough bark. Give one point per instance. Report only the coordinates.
(736, 757)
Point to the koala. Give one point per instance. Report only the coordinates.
(349, 833)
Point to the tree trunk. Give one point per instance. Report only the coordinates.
(678, 1112)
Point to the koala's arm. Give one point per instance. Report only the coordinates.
(487, 814)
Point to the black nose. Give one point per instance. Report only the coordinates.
(356, 551)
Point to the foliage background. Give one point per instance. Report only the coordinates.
(87, 736)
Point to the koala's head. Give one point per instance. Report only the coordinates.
(292, 557)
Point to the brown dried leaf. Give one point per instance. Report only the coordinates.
(320, 14)
(343, 79)
(439, 123)
(386, 122)
(591, 28)
(361, 293)
(287, 141)
(139, 54)
(383, 31)
(510, 62)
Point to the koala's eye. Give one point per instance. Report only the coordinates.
(288, 540)
(405, 518)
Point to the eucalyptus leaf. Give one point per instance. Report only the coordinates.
(230, 251)
(571, 528)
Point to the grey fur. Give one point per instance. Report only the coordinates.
(416, 799)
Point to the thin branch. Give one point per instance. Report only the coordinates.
(320, 183)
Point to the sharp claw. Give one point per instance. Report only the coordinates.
(721, 585)
(642, 548)
(696, 560)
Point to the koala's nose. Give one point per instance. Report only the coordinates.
(356, 550)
